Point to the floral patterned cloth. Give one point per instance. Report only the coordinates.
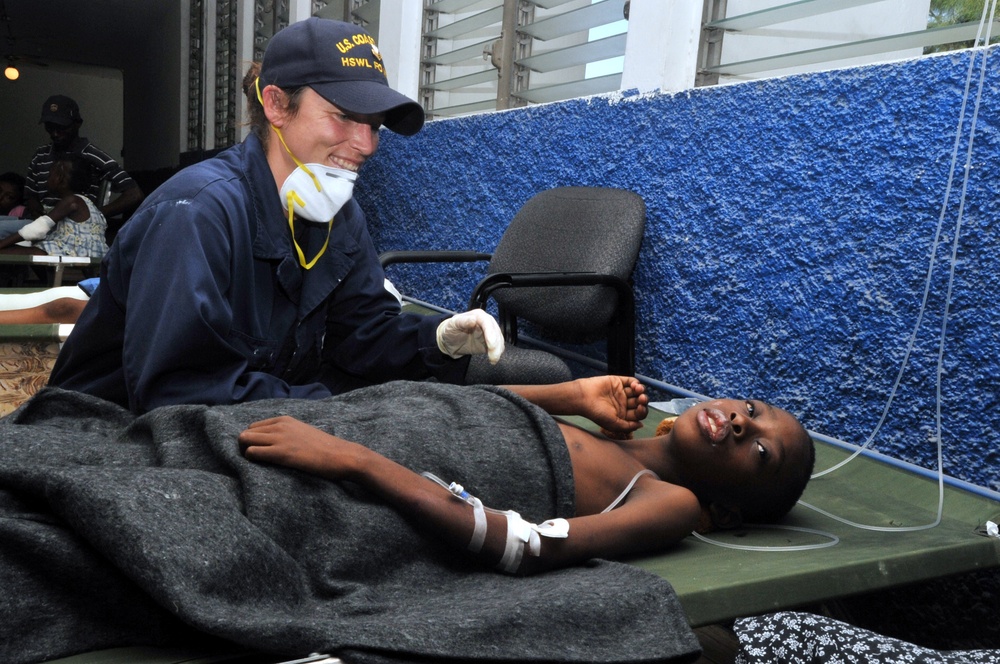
(800, 638)
(957, 612)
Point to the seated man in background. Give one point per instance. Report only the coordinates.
(62, 120)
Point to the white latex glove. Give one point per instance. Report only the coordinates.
(470, 333)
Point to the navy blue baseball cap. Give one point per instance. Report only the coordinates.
(341, 62)
(60, 110)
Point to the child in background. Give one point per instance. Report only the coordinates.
(82, 227)
(52, 305)
(11, 196)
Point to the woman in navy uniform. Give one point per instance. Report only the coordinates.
(252, 275)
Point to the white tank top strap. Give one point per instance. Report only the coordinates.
(617, 501)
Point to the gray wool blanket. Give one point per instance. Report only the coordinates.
(153, 530)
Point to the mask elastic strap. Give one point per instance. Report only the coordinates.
(296, 159)
(281, 138)
(294, 198)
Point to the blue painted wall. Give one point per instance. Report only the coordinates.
(788, 242)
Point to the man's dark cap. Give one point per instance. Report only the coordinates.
(60, 110)
(341, 62)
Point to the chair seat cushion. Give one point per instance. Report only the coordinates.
(518, 366)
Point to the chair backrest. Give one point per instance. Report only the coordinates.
(570, 229)
(104, 193)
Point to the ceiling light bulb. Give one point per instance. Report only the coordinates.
(11, 72)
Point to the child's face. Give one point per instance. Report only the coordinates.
(10, 195)
(726, 448)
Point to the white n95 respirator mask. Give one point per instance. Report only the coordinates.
(316, 192)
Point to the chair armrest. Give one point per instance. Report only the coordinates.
(387, 258)
(621, 332)
(485, 288)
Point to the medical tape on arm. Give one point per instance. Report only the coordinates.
(518, 534)
(521, 534)
(38, 229)
(478, 511)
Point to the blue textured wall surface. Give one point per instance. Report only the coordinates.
(788, 242)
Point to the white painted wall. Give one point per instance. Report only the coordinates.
(661, 49)
(399, 42)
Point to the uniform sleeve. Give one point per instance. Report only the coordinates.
(368, 338)
(178, 342)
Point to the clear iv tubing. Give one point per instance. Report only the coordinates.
(927, 285)
(833, 539)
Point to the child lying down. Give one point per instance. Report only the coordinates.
(723, 461)
(61, 304)
(197, 522)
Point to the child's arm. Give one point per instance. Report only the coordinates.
(655, 515)
(11, 240)
(286, 441)
(70, 207)
(67, 207)
(61, 310)
(617, 403)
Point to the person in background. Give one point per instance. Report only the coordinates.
(73, 227)
(11, 203)
(252, 275)
(11, 195)
(62, 120)
(59, 305)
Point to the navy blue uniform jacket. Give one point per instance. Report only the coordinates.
(202, 300)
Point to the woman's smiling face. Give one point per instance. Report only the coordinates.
(316, 132)
(321, 133)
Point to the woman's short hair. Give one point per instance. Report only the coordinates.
(256, 119)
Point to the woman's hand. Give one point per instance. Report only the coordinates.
(616, 403)
(286, 441)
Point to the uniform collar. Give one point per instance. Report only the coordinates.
(271, 236)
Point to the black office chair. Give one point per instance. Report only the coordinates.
(563, 268)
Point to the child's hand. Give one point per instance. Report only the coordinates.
(616, 403)
(286, 441)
